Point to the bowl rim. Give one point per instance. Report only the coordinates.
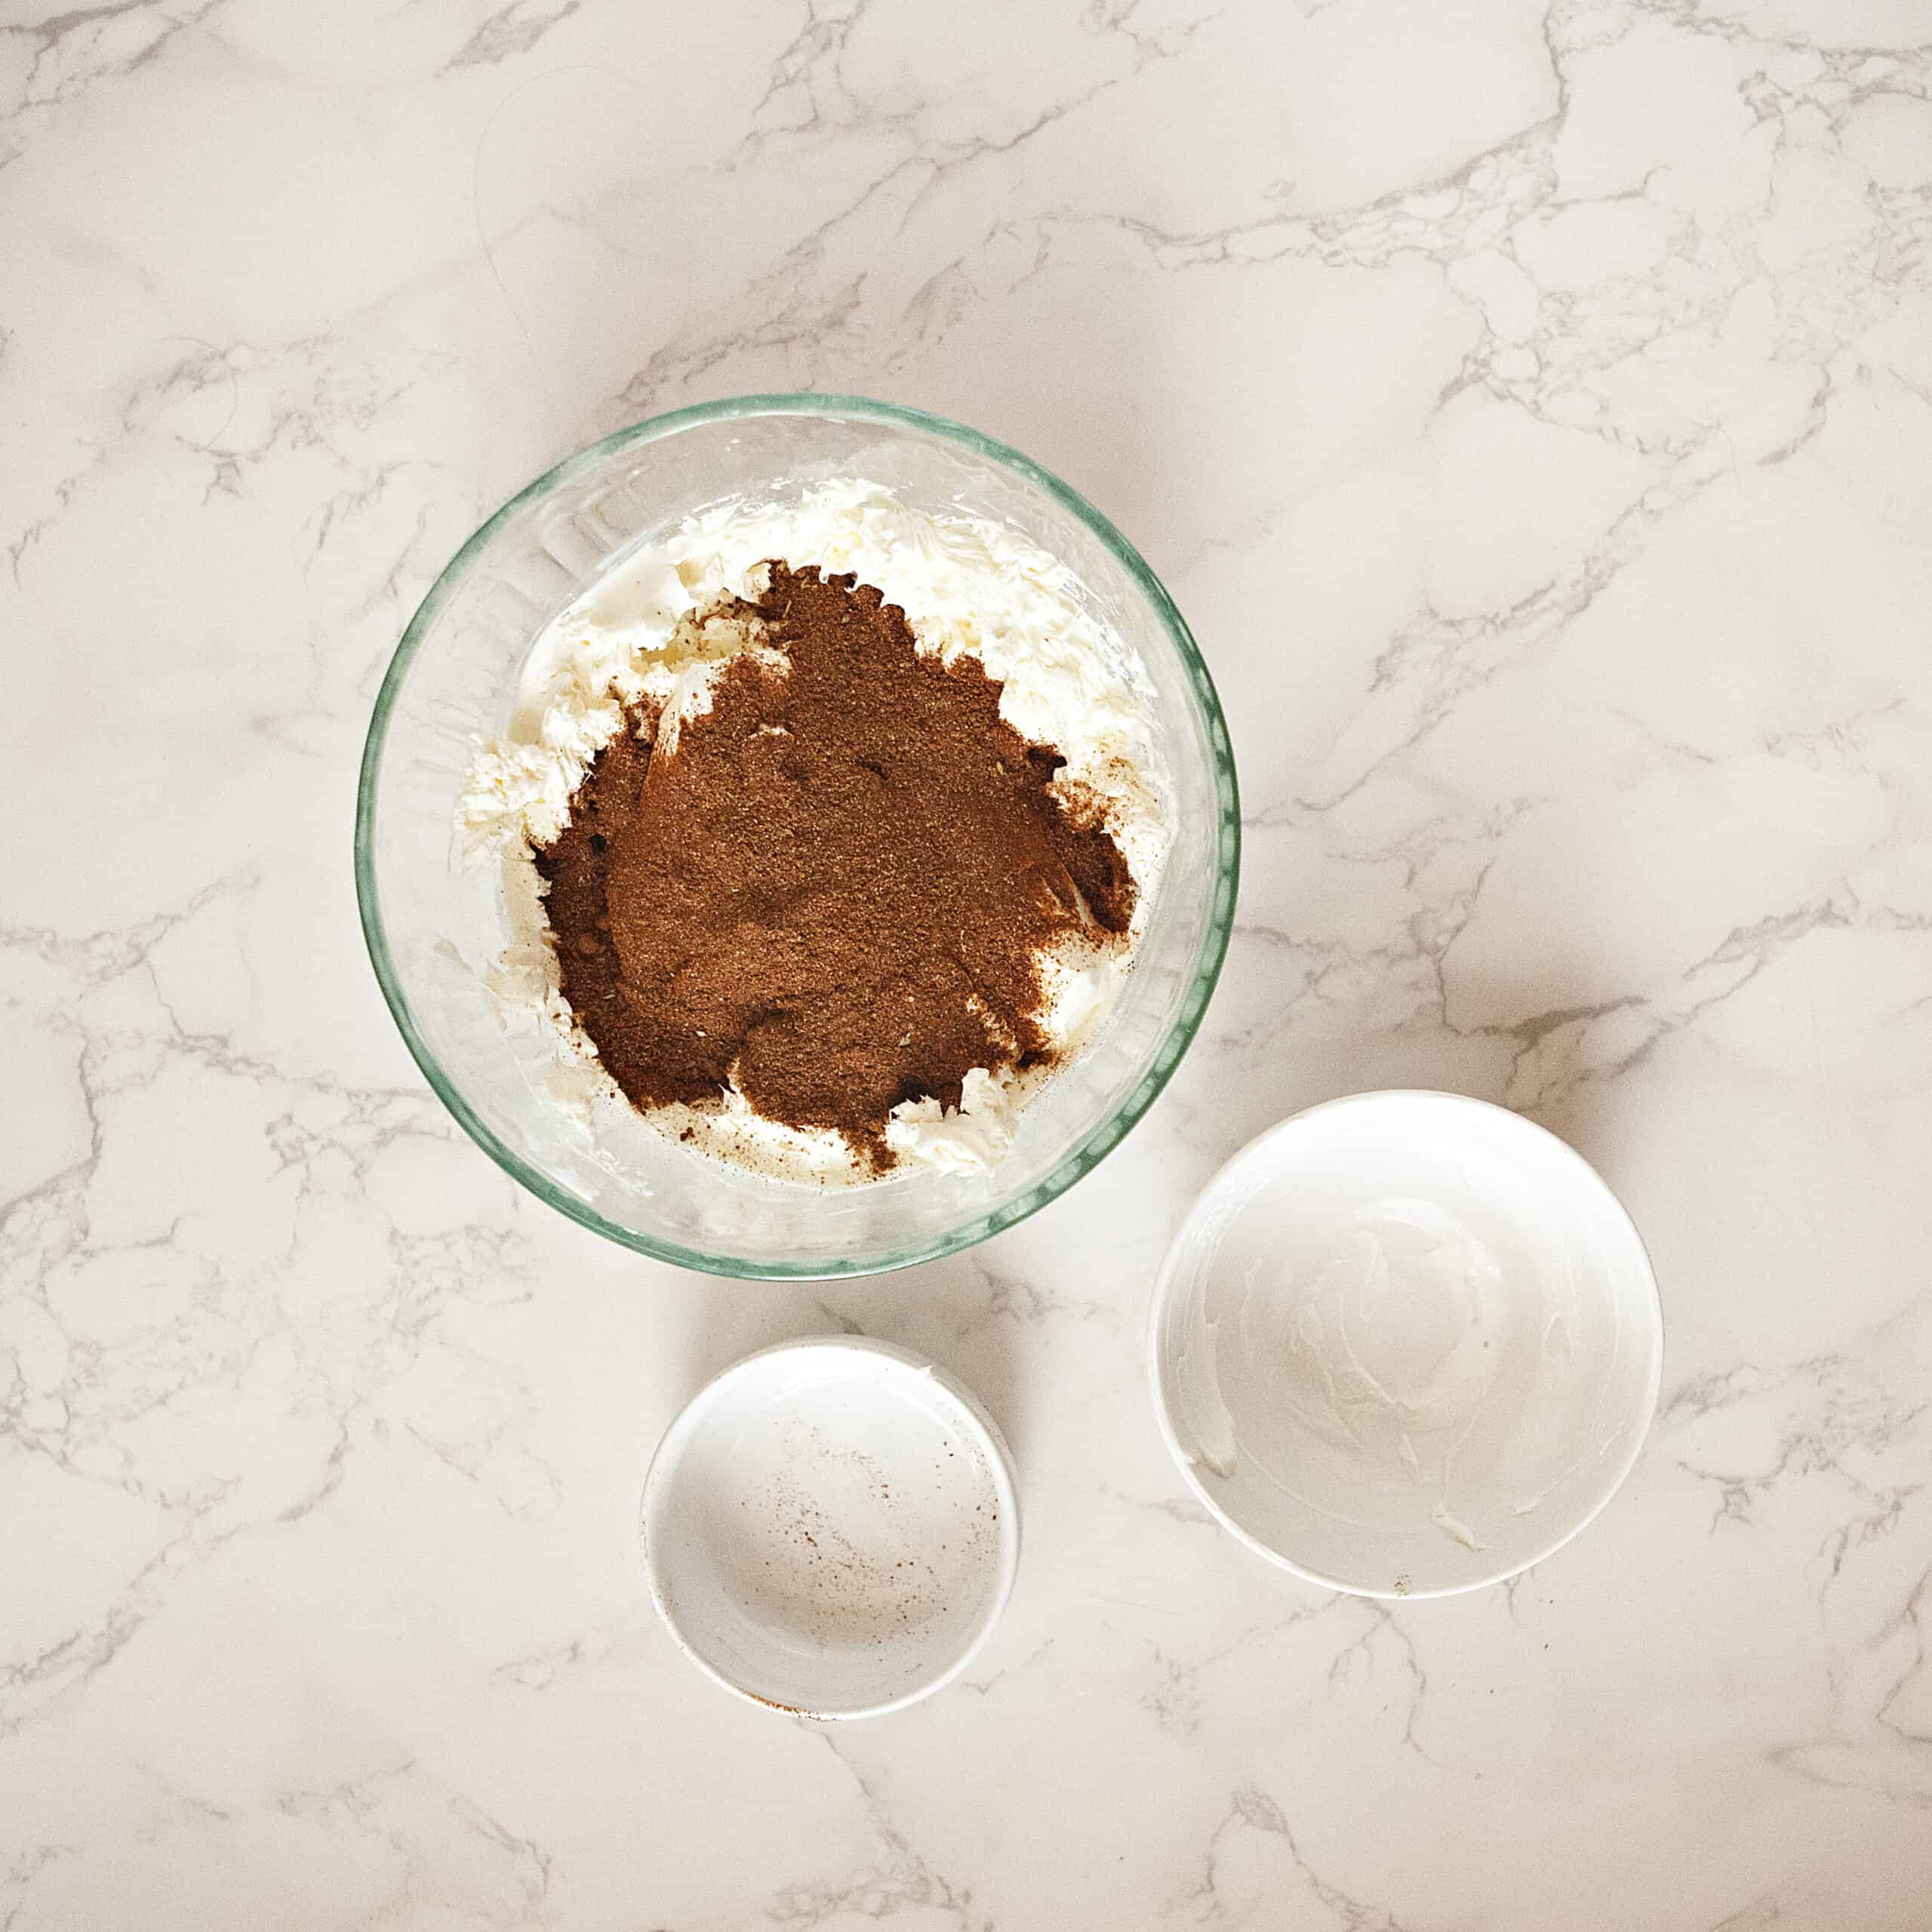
(667, 1459)
(1163, 1296)
(1077, 1161)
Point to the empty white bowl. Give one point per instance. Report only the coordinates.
(831, 1528)
(1406, 1344)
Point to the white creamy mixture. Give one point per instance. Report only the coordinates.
(1378, 1357)
(967, 587)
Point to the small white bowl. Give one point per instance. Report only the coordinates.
(831, 1527)
(1406, 1344)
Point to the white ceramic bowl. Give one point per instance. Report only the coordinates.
(1406, 1344)
(831, 1527)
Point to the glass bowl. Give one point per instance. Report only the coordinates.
(434, 927)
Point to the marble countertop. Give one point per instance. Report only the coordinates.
(1532, 411)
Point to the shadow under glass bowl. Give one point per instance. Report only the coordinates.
(435, 928)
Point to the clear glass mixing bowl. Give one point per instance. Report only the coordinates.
(435, 928)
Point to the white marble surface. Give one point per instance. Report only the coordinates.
(1533, 414)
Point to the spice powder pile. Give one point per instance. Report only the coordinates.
(833, 889)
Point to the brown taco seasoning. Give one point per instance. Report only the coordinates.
(833, 888)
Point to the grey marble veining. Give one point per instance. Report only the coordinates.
(1531, 408)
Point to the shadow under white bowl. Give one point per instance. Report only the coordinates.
(831, 1527)
(1406, 1344)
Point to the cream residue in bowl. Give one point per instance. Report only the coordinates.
(1383, 1339)
(1403, 1324)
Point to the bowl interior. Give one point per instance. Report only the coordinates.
(437, 928)
(830, 1528)
(1407, 1344)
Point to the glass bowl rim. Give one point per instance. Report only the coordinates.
(1077, 1161)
